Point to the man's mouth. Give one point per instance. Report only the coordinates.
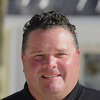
(50, 76)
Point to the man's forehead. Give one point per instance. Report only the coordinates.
(57, 50)
(55, 31)
(54, 28)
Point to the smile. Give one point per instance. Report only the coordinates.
(50, 76)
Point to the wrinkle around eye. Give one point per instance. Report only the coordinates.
(61, 55)
(38, 57)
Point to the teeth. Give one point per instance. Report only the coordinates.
(45, 76)
(50, 76)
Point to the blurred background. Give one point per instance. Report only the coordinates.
(85, 14)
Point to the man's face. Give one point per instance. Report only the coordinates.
(50, 62)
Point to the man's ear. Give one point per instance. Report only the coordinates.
(79, 52)
(22, 57)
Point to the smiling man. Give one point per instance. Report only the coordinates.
(51, 64)
(50, 57)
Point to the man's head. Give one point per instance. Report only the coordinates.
(48, 20)
(50, 56)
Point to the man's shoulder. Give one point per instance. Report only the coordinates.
(89, 94)
(16, 96)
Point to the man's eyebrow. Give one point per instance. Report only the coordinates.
(61, 50)
(37, 51)
(41, 52)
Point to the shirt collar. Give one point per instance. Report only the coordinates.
(74, 95)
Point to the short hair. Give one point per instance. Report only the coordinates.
(47, 20)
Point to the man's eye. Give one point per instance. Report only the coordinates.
(38, 56)
(61, 55)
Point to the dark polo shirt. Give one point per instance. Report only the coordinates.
(78, 93)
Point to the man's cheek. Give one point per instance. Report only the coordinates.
(34, 66)
(66, 64)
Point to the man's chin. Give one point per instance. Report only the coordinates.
(53, 87)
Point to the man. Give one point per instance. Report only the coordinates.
(50, 56)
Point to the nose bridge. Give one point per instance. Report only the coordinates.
(51, 61)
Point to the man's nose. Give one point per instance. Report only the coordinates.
(51, 61)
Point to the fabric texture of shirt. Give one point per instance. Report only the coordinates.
(78, 93)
